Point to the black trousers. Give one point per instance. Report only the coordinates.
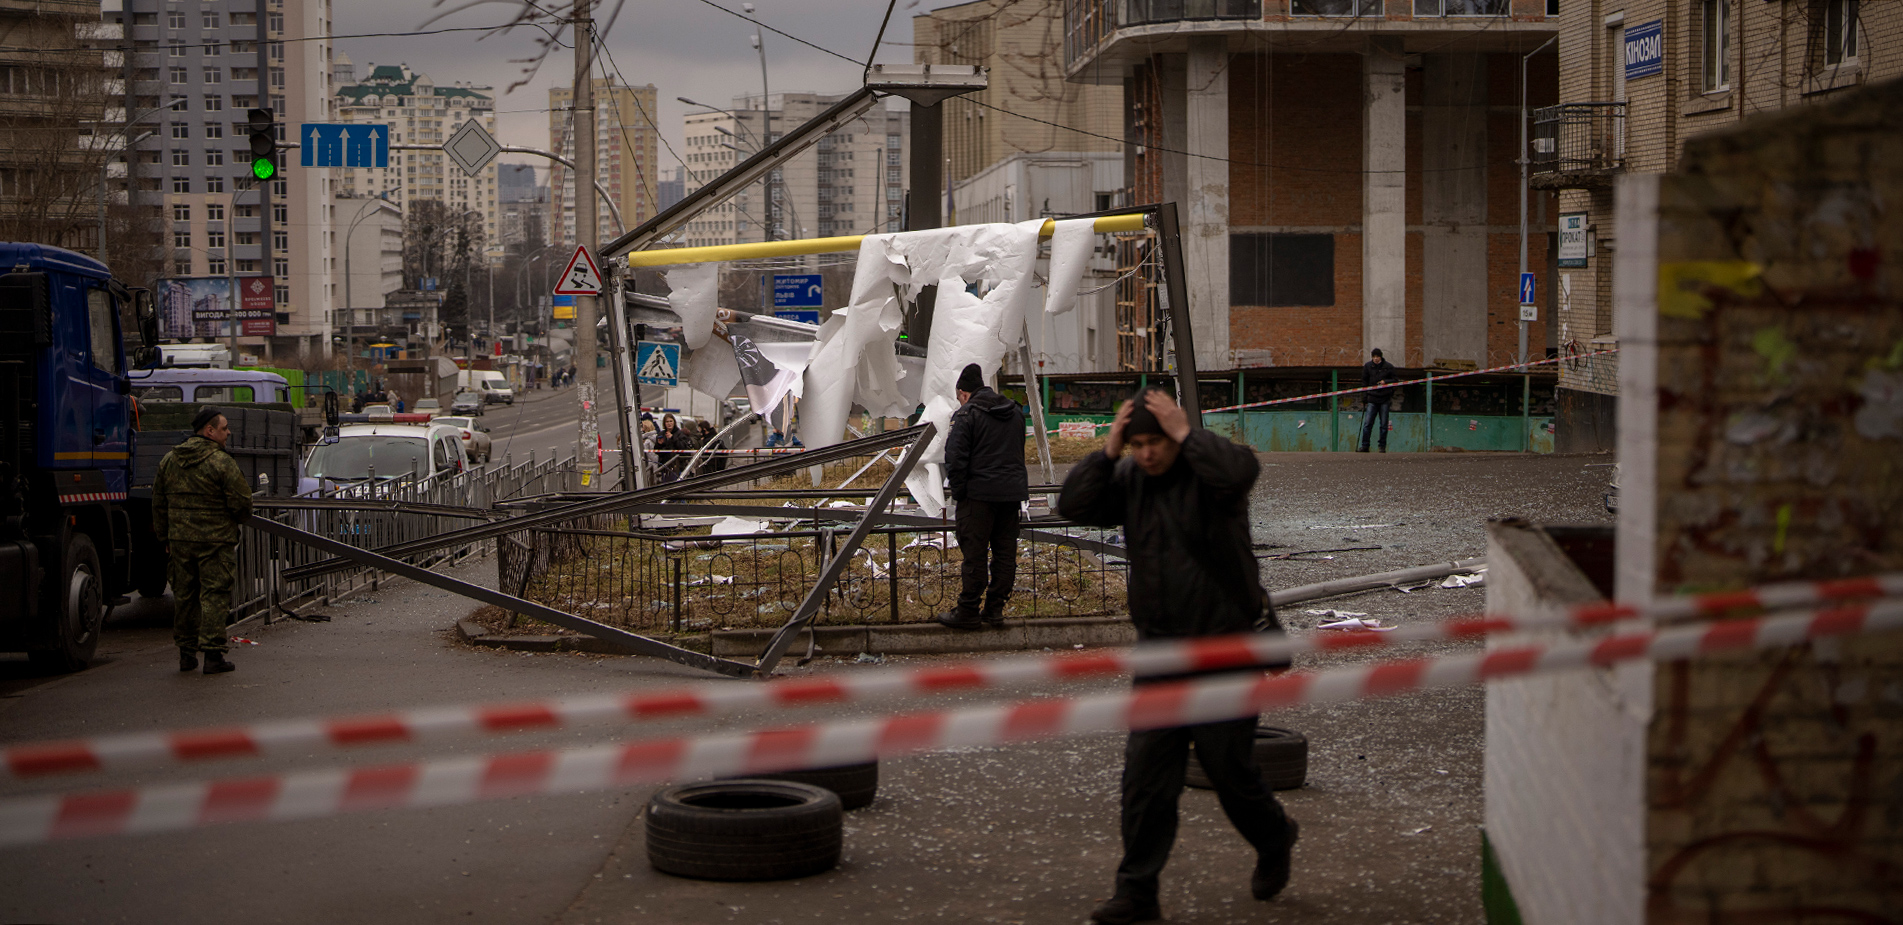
(1154, 763)
(988, 539)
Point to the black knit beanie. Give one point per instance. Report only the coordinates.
(205, 416)
(972, 379)
(1141, 420)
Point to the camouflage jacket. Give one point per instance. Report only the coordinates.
(199, 496)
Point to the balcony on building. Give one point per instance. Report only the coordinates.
(1577, 145)
(1101, 36)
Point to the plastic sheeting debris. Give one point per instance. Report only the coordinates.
(1071, 248)
(736, 526)
(1465, 581)
(693, 293)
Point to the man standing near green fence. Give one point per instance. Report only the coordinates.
(984, 461)
(199, 500)
(1375, 403)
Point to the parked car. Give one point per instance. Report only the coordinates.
(379, 409)
(476, 442)
(466, 402)
(429, 406)
(389, 451)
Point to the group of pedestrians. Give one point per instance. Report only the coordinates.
(671, 445)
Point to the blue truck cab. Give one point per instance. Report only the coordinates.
(67, 529)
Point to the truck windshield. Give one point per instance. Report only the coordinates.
(354, 457)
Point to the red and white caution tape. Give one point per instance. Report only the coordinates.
(312, 794)
(1406, 382)
(126, 752)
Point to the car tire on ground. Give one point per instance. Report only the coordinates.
(77, 603)
(854, 784)
(1282, 754)
(744, 830)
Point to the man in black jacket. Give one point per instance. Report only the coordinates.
(1181, 495)
(984, 461)
(1375, 404)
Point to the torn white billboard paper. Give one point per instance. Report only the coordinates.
(853, 359)
(1071, 246)
(693, 292)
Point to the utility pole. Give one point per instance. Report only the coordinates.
(266, 241)
(586, 232)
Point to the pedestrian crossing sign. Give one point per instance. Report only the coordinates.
(658, 364)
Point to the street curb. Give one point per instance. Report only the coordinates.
(932, 639)
(874, 639)
(476, 634)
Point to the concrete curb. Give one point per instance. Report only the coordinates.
(476, 634)
(875, 639)
(932, 639)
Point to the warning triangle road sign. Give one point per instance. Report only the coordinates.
(581, 277)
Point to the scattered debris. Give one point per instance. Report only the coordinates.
(1351, 621)
(1475, 580)
(869, 659)
(1353, 526)
(241, 641)
(1311, 552)
(1421, 830)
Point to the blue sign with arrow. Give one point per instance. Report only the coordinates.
(804, 290)
(344, 144)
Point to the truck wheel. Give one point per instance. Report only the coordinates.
(77, 603)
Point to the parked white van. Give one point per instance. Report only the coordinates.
(491, 385)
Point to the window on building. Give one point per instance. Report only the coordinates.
(1840, 31)
(214, 184)
(1336, 7)
(214, 130)
(181, 268)
(181, 211)
(280, 240)
(214, 211)
(177, 75)
(282, 294)
(215, 238)
(215, 266)
(214, 75)
(214, 104)
(1714, 44)
(214, 50)
(280, 189)
(175, 19)
(246, 212)
(175, 51)
(181, 239)
(1282, 269)
(1461, 7)
(275, 23)
(181, 184)
(181, 158)
(211, 19)
(214, 158)
(247, 266)
(280, 213)
(181, 130)
(282, 269)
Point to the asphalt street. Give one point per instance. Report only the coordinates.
(999, 835)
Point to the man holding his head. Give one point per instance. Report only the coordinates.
(1181, 495)
(199, 500)
(984, 461)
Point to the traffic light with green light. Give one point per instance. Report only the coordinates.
(262, 125)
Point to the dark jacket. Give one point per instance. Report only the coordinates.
(1192, 568)
(1375, 372)
(984, 454)
(200, 496)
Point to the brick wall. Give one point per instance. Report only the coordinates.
(1773, 781)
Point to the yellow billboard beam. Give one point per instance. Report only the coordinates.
(669, 257)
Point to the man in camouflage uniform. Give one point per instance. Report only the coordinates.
(198, 502)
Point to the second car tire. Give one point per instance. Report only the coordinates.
(855, 784)
(1281, 754)
(744, 830)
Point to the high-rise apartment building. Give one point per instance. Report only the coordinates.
(524, 207)
(195, 73)
(627, 145)
(419, 110)
(852, 182)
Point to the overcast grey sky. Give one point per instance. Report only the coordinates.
(683, 47)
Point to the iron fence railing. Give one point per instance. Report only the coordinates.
(372, 516)
(1577, 145)
(659, 582)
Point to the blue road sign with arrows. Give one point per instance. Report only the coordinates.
(1526, 289)
(803, 290)
(344, 144)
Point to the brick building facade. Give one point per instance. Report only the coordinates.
(1637, 79)
(1345, 170)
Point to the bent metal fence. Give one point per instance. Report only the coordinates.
(372, 516)
(678, 581)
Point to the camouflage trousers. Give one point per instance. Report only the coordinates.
(202, 576)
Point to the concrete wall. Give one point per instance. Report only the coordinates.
(1454, 209)
(1565, 755)
(1773, 779)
